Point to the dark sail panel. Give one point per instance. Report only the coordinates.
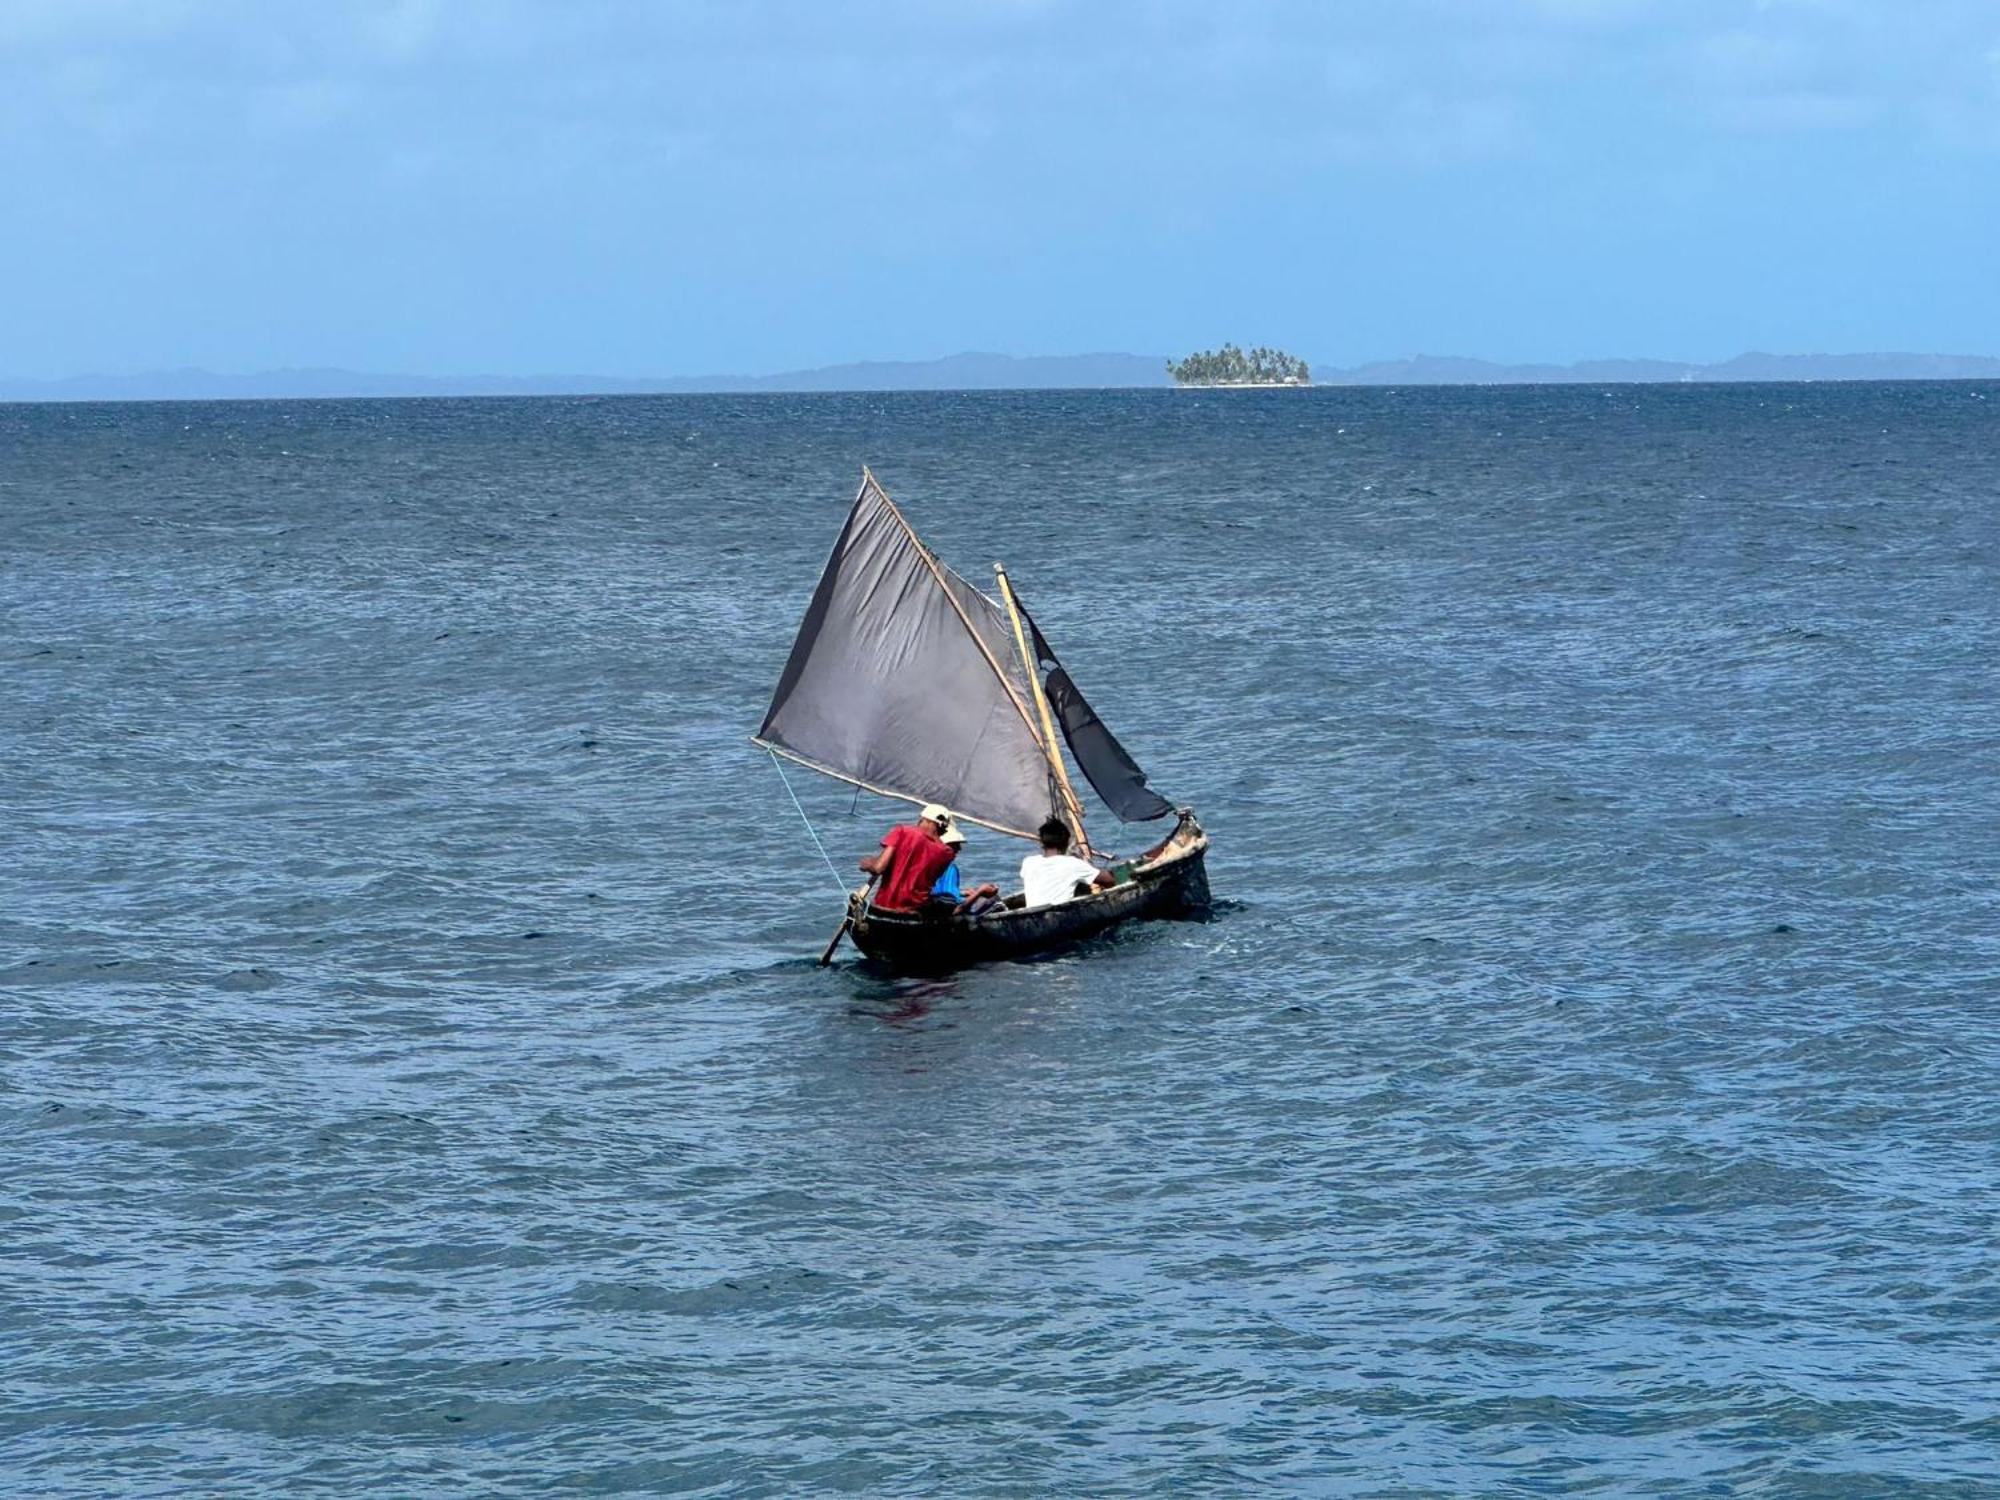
(894, 682)
(1111, 771)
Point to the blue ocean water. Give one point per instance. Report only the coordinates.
(414, 1077)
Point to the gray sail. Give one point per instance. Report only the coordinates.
(904, 680)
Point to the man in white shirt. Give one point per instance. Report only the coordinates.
(1055, 873)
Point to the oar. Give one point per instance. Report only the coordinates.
(838, 933)
(845, 923)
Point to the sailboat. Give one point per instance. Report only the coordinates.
(909, 682)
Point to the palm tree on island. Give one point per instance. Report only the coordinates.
(1229, 365)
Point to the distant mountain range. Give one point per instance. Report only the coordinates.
(957, 372)
(986, 372)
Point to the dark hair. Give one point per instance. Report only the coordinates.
(1055, 834)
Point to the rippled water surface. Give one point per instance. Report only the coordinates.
(414, 1076)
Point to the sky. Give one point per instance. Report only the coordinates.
(658, 188)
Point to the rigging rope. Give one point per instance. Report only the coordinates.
(831, 867)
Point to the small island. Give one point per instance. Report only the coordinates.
(1229, 365)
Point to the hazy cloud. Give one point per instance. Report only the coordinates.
(628, 178)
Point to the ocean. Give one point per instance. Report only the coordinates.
(415, 1077)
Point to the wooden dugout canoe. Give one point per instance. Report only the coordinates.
(1173, 885)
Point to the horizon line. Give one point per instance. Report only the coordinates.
(974, 370)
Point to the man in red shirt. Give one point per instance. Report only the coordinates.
(913, 855)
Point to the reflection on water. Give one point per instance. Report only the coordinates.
(898, 999)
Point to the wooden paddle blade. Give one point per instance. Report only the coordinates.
(838, 933)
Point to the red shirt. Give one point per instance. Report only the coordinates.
(915, 860)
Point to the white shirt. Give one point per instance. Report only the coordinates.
(1049, 878)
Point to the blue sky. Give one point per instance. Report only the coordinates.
(625, 188)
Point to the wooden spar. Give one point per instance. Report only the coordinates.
(1048, 734)
(882, 791)
(867, 479)
(846, 922)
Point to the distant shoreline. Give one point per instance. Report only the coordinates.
(1243, 385)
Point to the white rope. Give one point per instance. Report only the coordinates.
(831, 867)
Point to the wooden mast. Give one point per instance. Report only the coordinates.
(1049, 741)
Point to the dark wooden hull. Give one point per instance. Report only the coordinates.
(1174, 886)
